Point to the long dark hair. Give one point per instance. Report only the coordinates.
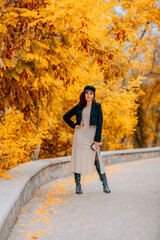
(82, 103)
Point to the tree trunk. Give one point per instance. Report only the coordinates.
(139, 138)
(157, 132)
(36, 152)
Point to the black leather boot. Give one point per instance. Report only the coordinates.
(77, 177)
(102, 177)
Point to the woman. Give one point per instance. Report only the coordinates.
(88, 128)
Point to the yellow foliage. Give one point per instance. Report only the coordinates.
(49, 51)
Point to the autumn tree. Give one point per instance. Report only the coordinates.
(147, 130)
(49, 50)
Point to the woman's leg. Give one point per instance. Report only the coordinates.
(102, 177)
(77, 177)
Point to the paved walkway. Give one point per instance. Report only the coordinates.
(130, 212)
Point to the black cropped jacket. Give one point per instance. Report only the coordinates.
(96, 118)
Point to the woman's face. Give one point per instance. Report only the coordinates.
(89, 95)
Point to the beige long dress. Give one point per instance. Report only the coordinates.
(83, 157)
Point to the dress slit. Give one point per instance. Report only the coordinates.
(98, 157)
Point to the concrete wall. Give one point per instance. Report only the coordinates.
(112, 157)
(14, 193)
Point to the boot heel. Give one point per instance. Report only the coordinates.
(78, 189)
(78, 185)
(106, 188)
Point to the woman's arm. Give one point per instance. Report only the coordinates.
(98, 133)
(70, 114)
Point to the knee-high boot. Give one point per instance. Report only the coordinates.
(77, 177)
(102, 177)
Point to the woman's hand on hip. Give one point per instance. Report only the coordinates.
(79, 126)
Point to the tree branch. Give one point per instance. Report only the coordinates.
(151, 73)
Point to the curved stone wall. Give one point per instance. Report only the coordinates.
(14, 193)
